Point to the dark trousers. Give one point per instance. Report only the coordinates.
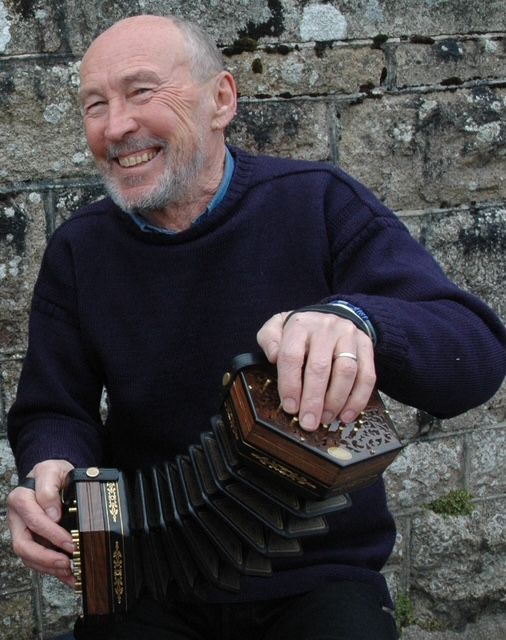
(336, 611)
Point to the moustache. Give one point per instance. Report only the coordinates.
(131, 146)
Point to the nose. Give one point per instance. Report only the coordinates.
(120, 121)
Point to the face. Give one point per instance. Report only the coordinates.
(148, 123)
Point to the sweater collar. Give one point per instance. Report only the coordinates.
(147, 227)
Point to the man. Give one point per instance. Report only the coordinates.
(152, 293)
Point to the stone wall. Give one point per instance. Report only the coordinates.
(410, 97)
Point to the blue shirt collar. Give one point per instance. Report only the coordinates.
(144, 225)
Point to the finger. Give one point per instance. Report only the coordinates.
(28, 519)
(60, 568)
(364, 382)
(49, 478)
(317, 373)
(64, 574)
(269, 336)
(342, 380)
(290, 365)
(34, 555)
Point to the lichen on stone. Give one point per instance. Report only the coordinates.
(454, 503)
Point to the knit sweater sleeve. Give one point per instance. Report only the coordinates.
(439, 348)
(56, 414)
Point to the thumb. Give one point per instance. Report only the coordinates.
(49, 479)
(269, 336)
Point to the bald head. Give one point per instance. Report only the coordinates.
(192, 43)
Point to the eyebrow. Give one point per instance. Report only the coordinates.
(143, 75)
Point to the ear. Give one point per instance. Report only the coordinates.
(225, 101)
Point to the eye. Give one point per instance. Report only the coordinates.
(94, 106)
(141, 92)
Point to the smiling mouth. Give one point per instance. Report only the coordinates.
(137, 159)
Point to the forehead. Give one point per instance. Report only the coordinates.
(135, 49)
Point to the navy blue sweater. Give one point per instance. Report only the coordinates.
(156, 319)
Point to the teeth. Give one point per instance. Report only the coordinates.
(132, 161)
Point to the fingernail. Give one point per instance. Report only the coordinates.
(327, 417)
(69, 547)
(348, 416)
(62, 564)
(308, 421)
(289, 405)
(52, 512)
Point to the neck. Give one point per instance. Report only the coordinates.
(180, 216)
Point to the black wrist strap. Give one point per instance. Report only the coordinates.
(342, 312)
(27, 483)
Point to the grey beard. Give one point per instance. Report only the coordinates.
(175, 185)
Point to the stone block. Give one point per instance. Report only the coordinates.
(10, 369)
(470, 245)
(16, 621)
(14, 576)
(22, 240)
(399, 552)
(397, 18)
(298, 20)
(487, 459)
(458, 564)
(8, 474)
(450, 61)
(60, 605)
(26, 29)
(488, 627)
(423, 471)
(411, 423)
(68, 200)
(306, 70)
(483, 417)
(428, 150)
(393, 577)
(294, 128)
(404, 418)
(40, 122)
(68, 26)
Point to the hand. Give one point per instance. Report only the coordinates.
(313, 380)
(33, 516)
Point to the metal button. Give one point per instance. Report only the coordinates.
(340, 453)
